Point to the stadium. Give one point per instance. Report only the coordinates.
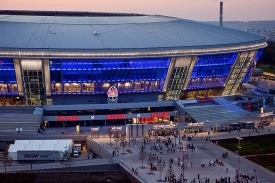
(144, 63)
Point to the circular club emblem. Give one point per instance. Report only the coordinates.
(112, 93)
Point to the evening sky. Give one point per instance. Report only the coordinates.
(201, 10)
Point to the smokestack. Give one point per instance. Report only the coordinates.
(221, 7)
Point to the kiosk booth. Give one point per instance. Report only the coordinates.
(192, 127)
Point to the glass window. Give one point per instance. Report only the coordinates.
(211, 71)
(93, 73)
(72, 87)
(57, 87)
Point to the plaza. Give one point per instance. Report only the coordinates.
(204, 152)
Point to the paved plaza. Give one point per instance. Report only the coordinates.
(204, 152)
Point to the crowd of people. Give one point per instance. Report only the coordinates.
(244, 178)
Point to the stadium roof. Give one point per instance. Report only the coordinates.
(84, 31)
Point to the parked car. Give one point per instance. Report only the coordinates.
(75, 154)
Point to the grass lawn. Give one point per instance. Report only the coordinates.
(257, 146)
(251, 145)
(267, 161)
(266, 68)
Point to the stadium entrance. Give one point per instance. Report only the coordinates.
(201, 93)
(106, 114)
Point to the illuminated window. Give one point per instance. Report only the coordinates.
(211, 71)
(123, 73)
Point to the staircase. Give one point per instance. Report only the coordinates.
(13, 117)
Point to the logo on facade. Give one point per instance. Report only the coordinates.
(112, 93)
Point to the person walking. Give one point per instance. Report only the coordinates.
(198, 176)
(136, 171)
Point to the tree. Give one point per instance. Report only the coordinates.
(123, 141)
(110, 133)
(117, 137)
(150, 161)
(65, 159)
(160, 167)
(5, 159)
(170, 173)
(142, 154)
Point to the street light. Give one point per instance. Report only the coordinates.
(210, 117)
(181, 177)
(239, 160)
(209, 129)
(183, 161)
(175, 137)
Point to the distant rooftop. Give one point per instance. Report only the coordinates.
(65, 13)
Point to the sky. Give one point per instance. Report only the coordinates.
(200, 10)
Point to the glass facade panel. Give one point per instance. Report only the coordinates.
(250, 70)
(239, 71)
(176, 82)
(211, 71)
(34, 86)
(8, 81)
(92, 76)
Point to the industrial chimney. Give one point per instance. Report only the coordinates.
(221, 7)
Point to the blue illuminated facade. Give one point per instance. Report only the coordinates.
(162, 78)
(75, 76)
(8, 81)
(249, 73)
(211, 71)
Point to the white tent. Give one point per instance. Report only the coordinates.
(22, 142)
(31, 147)
(50, 141)
(36, 142)
(13, 150)
(40, 145)
(46, 147)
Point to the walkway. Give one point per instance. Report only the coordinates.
(205, 151)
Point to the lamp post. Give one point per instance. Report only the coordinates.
(208, 133)
(239, 159)
(175, 137)
(178, 133)
(183, 166)
(181, 177)
(210, 117)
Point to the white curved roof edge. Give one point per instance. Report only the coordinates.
(133, 54)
